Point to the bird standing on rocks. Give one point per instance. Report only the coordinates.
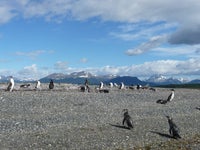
(37, 85)
(171, 96)
(127, 119)
(169, 99)
(173, 129)
(11, 84)
(51, 85)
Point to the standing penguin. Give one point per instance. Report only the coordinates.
(171, 96)
(51, 84)
(11, 84)
(101, 85)
(127, 119)
(37, 86)
(121, 86)
(173, 129)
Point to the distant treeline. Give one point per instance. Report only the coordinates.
(189, 86)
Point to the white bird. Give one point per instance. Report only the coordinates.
(37, 84)
(11, 84)
(171, 96)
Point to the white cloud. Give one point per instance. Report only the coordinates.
(6, 12)
(165, 67)
(186, 15)
(144, 47)
(32, 72)
(84, 60)
(143, 30)
(61, 66)
(33, 54)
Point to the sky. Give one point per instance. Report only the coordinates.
(119, 37)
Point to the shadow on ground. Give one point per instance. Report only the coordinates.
(119, 126)
(162, 134)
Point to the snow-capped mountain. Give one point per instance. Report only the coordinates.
(82, 74)
(157, 79)
(160, 79)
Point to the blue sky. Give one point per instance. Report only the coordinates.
(121, 37)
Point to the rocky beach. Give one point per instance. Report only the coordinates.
(65, 118)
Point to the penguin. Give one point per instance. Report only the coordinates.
(121, 86)
(111, 84)
(11, 84)
(171, 96)
(101, 85)
(127, 119)
(161, 101)
(51, 84)
(173, 129)
(198, 108)
(25, 85)
(37, 85)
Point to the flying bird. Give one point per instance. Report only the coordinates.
(173, 129)
(11, 84)
(127, 121)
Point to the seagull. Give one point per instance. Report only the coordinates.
(127, 119)
(11, 84)
(171, 96)
(51, 85)
(173, 129)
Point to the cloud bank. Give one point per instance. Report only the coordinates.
(164, 67)
(126, 11)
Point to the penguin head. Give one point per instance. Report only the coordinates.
(168, 117)
(125, 111)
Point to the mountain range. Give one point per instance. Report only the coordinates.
(80, 77)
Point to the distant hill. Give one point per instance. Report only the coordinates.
(195, 81)
(80, 77)
(75, 78)
(127, 80)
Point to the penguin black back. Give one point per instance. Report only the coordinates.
(51, 84)
(173, 129)
(127, 119)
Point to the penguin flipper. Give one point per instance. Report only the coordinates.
(129, 124)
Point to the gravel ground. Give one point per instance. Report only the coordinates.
(66, 118)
